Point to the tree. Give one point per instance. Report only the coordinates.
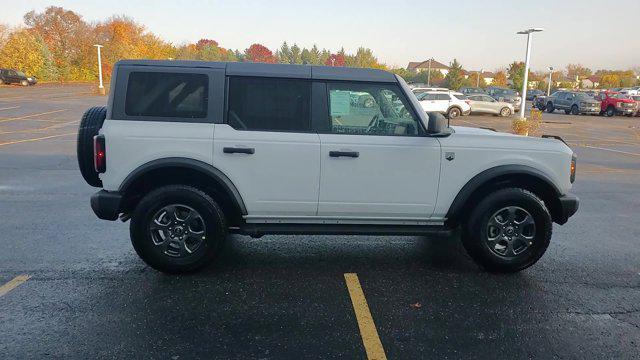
(579, 71)
(259, 53)
(284, 54)
(516, 74)
(335, 60)
(454, 79)
(27, 52)
(500, 79)
(610, 80)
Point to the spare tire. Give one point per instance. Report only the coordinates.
(90, 124)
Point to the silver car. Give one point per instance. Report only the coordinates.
(481, 103)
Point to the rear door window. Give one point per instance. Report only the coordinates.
(269, 104)
(170, 95)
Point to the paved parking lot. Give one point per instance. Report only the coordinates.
(71, 285)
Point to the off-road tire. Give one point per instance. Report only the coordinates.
(215, 228)
(474, 231)
(90, 124)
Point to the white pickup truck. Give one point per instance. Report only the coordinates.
(192, 151)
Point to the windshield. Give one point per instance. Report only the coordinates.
(504, 92)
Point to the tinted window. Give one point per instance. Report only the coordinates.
(442, 97)
(370, 109)
(158, 94)
(269, 104)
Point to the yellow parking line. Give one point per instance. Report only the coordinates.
(368, 332)
(14, 283)
(35, 139)
(54, 126)
(32, 115)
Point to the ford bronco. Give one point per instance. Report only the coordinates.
(192, 151)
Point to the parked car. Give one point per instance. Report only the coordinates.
(10, 76)
(636, 98)
(615, 103)
(533, 93)
(485, 104)
(630, 90)
(420, 90)
(472, 90)
(452, 104)
(506, 95)
(192, 151)
(572, 102)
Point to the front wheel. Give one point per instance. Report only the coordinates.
(177, 229)
(508, 231)
(611, 111)
(575, 110)
(24, 83)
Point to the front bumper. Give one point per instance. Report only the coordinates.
(590, 111)
(625, 111)
(569, 204)
(106, 204)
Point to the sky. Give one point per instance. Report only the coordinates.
(480, 34)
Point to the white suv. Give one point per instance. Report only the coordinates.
(451, 103)
(192, 151)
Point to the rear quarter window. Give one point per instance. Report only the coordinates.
(164, 94)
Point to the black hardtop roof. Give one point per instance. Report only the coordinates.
(274, 70)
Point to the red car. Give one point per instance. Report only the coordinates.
(615, 103)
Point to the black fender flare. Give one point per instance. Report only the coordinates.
(192, 164)
(486, 176)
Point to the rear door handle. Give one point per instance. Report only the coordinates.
(238, 150)
(352, 154)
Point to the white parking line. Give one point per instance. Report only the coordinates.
(612, 150)
(9, 108)
(32, 115)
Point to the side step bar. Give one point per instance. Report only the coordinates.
(258, 230)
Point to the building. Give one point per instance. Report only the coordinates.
(420, 66)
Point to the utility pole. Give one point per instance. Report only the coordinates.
(101, 87)
(549, 84)
(529, 33)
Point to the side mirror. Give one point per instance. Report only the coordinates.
(437, 123)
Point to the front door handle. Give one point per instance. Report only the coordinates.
(352, 154)
(238, 150)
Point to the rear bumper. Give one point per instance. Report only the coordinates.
(106, 204)
(569, 204)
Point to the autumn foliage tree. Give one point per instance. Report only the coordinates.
(259, 53)
(500, 79)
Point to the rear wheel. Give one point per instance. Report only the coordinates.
(508, 231)
(550, 107)
(505, 111)
(453, 113)
(177, 229)
(575, 110)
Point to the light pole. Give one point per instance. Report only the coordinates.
(549, 85)
(529, 33)
(101, 87)
(429, 74)
(478, 79)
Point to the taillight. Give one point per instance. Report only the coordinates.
(99, 154)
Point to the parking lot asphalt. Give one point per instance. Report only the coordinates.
(72, 286)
